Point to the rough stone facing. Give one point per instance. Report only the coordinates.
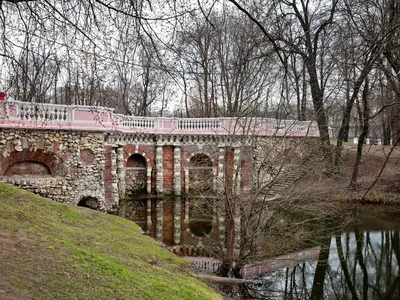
(159, 170)
(76, 162)
(177, 171)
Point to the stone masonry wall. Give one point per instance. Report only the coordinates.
(68, 166)
(76, 163)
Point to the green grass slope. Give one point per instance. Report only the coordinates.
(54, 251)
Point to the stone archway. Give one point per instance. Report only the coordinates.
(136, 175)
(90, 202)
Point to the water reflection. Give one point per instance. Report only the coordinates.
(186, 225)
(362, 264)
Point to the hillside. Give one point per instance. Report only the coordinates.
(373, 184)
(54, 251)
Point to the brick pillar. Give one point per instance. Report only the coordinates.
(177, 221)
(121, 173)
(114, 178)
(221, 169)
(177, 171)
(159, 169)
(148, 184)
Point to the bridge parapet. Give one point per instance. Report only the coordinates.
(18, 114)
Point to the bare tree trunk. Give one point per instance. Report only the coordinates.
(318, 101)
(363, 134)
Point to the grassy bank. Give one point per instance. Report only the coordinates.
(54, 251)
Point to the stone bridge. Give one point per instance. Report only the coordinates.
(94, 157)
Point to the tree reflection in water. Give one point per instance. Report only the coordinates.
(357, 265)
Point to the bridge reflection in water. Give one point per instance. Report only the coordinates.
(187, 226)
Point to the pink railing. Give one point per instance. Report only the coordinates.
(18, 114)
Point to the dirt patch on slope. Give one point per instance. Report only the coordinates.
(9, 292)
(31, 255)
(11, 246)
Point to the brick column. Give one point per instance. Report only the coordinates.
(177, 171)
(159, 169)
(121, 172)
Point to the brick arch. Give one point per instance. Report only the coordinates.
(54, 163)
(129, 151)
(27, 167)
(136, 160)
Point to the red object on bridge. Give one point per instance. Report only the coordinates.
(2, 96)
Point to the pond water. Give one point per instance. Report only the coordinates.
(360, 262)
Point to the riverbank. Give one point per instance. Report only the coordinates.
(378, 180)
(54, 251)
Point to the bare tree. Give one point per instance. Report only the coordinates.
(228, 65)
(301, 28)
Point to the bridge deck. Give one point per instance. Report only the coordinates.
(17, 114)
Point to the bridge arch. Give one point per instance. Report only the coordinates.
(200, 173)
(90, 202)
(130, 150)
(138, 174)
(90, 199)
(137, 160)
(27, 167)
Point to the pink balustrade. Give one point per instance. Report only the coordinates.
(18, 114)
